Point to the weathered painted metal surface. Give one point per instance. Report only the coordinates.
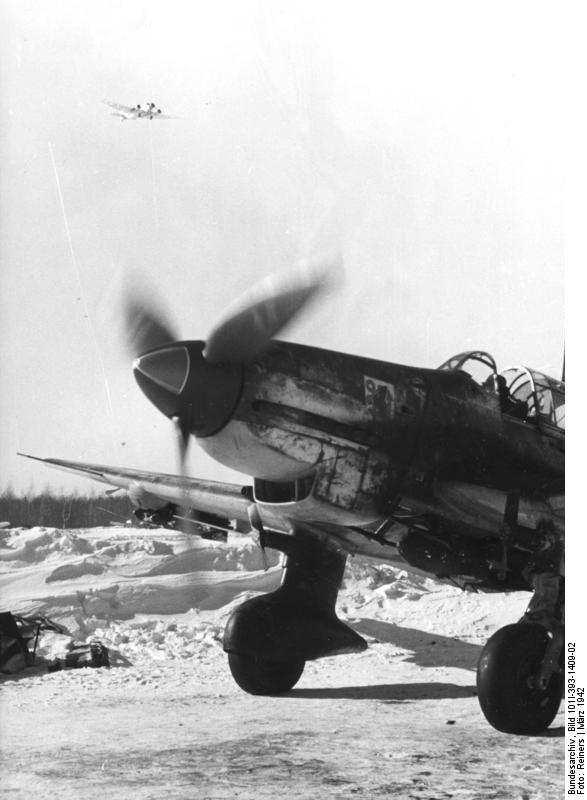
(353, 421)
(375, 432)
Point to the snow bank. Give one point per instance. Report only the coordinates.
(147, 597)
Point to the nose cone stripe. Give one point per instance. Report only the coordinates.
(180, 382)
(168, 368)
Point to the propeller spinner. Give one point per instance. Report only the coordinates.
(183, 384)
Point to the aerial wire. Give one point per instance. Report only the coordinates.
(79, 280)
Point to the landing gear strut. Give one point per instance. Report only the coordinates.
(519, 677)
(269, 638)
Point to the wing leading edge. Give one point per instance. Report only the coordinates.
(212, 497)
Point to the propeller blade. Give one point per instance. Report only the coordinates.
(252, 322)
(182, 437)
(184, 516)
(145, 326)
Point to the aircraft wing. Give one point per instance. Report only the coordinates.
(224, 500)
(213, 497)
(117, 106)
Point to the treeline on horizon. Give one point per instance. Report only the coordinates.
(63, 511)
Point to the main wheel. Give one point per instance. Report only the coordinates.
(507, 680)
(258, 676)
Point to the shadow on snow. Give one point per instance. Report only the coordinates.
(391, 692)
(428, 649)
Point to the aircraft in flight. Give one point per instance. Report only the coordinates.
(148, 111)
(446, 472)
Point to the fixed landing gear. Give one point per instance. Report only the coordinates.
(511, 694)
(519, 676)
(260, 676)
(269, 638)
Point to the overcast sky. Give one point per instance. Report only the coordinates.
(423, 140)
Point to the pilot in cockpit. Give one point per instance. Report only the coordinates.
(508, 404)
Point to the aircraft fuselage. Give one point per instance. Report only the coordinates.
(365, 434)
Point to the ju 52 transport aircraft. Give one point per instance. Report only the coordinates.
(444, 471)
(148, 111)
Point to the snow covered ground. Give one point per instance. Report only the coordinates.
(400, 719)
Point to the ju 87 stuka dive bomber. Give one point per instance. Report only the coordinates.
(434, 470)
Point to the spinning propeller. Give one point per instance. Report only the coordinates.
(145, 325)
(198, 384)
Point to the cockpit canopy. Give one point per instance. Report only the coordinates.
(477, 363)
(543, 396)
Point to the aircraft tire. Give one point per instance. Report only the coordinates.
(259, 676)
(508, 699)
